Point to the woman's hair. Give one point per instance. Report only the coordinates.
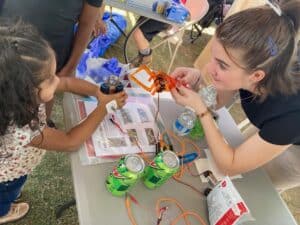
(268, 42)
(24, 59)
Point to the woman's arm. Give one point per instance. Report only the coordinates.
(251, 154)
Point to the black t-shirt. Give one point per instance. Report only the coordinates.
(277, 118)
(55, 20)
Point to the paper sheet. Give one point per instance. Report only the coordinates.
(137, 127)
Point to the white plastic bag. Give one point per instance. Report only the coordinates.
(226, 206)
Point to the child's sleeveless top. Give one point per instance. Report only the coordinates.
(16, 158)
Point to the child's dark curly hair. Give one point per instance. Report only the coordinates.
(24, 59)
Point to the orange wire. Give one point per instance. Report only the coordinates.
(191, 173)
(142, 153)
(159, 201)
(182, 169)
(174, 136)
(189, 185)
(127, 204)
(173, 201)
(198, 149)
(180, 172)
(185, 214)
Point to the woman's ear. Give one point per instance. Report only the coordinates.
(257, 76)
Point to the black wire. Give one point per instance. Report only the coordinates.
(158, 133)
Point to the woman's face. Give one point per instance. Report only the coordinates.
(225, 73)
(47, 87)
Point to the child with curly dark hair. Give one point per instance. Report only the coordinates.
(27, 82)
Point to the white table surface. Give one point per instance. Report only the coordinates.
(97, 206)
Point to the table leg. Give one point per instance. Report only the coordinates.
(193, 37)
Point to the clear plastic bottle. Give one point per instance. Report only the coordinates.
(184, 123)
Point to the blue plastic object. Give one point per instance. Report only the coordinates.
(187, 158)
(176, 12)
(99, 74)
(82, 63)
(100, 44)
(112, 66)
(112, 32)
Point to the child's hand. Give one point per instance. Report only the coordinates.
(119, 97)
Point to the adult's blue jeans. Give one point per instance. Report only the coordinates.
(9, 191)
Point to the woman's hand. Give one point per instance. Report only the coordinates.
(187, 97)
(188, 76)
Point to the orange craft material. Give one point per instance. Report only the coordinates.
(153, 81)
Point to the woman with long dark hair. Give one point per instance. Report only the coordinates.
(254, 54)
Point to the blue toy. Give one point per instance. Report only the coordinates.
(82, 63)
(176, 12)
(101, 73)
(189, 157)
(173, 11)
(112, 66)
(100, 44)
